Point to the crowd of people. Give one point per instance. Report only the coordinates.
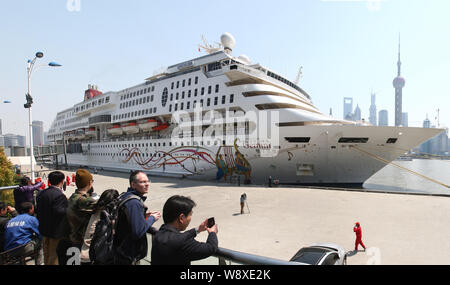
(53, 225)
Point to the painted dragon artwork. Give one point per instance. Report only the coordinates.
(228, 160)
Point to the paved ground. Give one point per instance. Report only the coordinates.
(397, 229)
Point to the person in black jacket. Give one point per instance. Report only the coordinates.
(134, 222)
(4, 219)
(172, 247)
(51, 207)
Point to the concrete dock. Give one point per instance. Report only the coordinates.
(397, 229)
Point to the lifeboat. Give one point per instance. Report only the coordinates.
(147, 125)
(115, 130)
(130, 128)
(91, 132)
(160, 127)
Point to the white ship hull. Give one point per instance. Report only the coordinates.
(322, 161)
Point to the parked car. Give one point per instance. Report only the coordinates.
(321, 254)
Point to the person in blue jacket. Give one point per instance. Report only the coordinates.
(134, 221)
(23, 230)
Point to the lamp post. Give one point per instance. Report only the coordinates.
(30, 66)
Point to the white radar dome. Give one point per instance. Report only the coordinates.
(244, 59)
(228, 41)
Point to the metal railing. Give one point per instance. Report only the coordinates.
(243, 258)
(225, 256)
(8, 188)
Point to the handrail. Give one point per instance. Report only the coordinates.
(8, 188)
(250, 259)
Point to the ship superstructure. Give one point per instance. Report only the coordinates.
(144, 127)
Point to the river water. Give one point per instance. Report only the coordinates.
(394, 179)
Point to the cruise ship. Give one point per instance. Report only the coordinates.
(223, 118)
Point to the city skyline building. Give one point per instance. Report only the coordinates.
(399, 83)
(373, 110)
(357, 113)
(1, 127)
(383, 118)
(38, 133)
(348, 107)
(405, 119)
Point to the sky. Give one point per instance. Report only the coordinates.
(346, 49)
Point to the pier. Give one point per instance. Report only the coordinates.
(397, 228)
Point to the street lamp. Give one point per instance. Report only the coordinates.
(30, 66)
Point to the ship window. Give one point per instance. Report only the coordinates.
(231, 98)
(164, 97)
(391, 140)
(217, 88)
(298, 139)
(353, 140)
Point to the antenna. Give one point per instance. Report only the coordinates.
(299, 75)
(209, 48)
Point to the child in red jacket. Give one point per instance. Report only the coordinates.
(358, 232)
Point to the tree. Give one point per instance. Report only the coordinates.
(7, 178)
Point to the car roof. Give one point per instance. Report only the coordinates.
(310, 255)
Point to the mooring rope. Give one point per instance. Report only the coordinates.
(399, 166)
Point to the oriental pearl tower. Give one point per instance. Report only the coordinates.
(399, 83)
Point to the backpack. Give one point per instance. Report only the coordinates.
(101, 250)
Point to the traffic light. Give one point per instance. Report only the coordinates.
(29, 101)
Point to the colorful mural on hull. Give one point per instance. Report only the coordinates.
(230, 160)
(178, 156)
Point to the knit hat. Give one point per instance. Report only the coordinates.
(82, 178)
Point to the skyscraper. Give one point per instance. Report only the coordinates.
(348, 107)
(399, 83)
(404, 119)
(383, 118)
(357, 114)
(38, 133)
(1, 127)
(425, 148)
(373, 110)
